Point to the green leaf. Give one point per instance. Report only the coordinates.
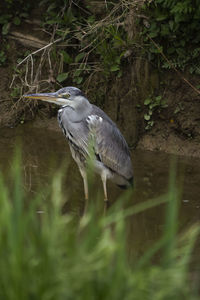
(147, 101)
(150, 112)
(117, 59)
(114, 68)
(153, 34)
(5, 28)
(151, 123)
(66, 57)
(161, 18)
(62, 76)
(164, 103)
(158, 98)
(24, 15)
(152, 105)
(79, 56)
(77, 72)
(69, 18)
(147, 117)
(79, 80)
(51, 7)
(2, 57)
(165, 30)
(171, 24)
(16, 21)
(50, 22)
(170, 50)
(4, 18)
(91, 19)
(177, 110)
(119, 74)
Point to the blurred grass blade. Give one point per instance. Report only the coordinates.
(57, 256)
(171, 224)
(117, 216)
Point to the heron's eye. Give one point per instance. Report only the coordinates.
(66, 96)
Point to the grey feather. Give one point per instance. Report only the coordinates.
(110, 146)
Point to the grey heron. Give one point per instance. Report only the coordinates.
(79, 120)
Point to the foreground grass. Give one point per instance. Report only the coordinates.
(57, 256)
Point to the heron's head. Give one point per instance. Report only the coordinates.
(70, 96)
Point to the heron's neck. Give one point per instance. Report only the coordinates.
(78, 112)
(83, 110)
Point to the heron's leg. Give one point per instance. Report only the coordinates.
(85, 182)
(104, 178)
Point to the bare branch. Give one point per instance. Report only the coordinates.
(35, 52)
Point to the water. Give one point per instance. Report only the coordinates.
(45, 151)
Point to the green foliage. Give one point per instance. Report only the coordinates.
(153, 104)
(12, 12)
(89, 44)
(51, 255)
(97, 43)
(2, 57)
(179, 108)
(174, 26)
(15, 92)
(111, 49)
(62, 77)
(105, 42)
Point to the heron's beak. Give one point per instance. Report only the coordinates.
(48, 97)
(43, 96)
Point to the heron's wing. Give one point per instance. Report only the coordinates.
(110, 145)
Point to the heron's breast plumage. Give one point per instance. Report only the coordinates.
(76, 135)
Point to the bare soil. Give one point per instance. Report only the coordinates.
(177, 127)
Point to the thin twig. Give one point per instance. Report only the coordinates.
(43, 48)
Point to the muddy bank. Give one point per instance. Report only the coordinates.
(177, 127)
(171, 144)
